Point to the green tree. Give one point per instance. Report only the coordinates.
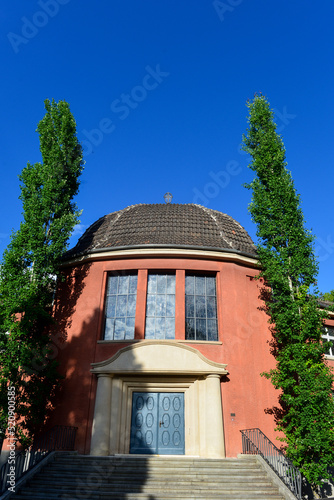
(30, 268)
(328, 296)
(286, 257)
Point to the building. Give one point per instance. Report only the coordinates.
(165, 335)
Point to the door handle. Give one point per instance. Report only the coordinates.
(160, 424)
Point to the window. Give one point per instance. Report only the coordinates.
(328, 335)
(120, 308)
(201, 308)
(160, 306)
(155, 301)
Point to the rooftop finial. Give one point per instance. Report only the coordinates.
(168, 197)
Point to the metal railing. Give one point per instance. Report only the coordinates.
(254, 442)
(58, 438)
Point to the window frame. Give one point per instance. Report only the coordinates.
(328, 336)
(180, 272)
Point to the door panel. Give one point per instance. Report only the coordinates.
(171, 424)
(157, 423)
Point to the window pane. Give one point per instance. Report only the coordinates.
(201, 304)
(111, 306)
(170, 328)
(150, 305)
(210, 285)
(152, 283)
(161, 283)
(211, 307)
(109, 329)
(133, 284)
(112, 284)
(161, 305)
(123, 284)
(190, 287)
(212, 329)
(150, 328)
(170, 283)
(201, 329)
(119, 333)
(200, 307)
(170, 306)
(199, 285)
(190, 329)
(131, 311)
(129, 329)
(160, 327)
(120, 307)
(190, 307)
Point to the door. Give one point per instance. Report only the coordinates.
(157, 423)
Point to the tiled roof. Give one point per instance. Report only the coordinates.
(165, 225)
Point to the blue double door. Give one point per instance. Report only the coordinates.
(157, 423)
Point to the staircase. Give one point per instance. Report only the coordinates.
(71, 476)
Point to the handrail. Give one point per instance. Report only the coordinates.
(254, 442)
(59, 437)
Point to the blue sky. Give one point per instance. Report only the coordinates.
(158, 90)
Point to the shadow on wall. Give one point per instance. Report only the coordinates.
(75, 401)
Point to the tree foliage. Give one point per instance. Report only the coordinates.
(328, 296)
(30, 268)
(285, 249)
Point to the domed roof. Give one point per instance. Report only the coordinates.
(165, 225)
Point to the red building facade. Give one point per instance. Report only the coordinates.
(165, 336)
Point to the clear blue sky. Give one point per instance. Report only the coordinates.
(158, 90)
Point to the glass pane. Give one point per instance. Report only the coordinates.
(130, 328)
(112, 284)
(190, 307)
(160, 327)
(200, 329)
(109, 329)
(152, 283)
(150, 305)
(211, 285)
(170, 306)
(200, 307)
(211, 307)
(150, 328)
(123, 284)
(161, 305)
(131, 305)
(190, 329)
(111, 306)
(161, 283)
(170, 328)
(133, 284)
(190, 287)
(119, 329)
(199, 285)
(171, 283)
(121, 305)
(212, 329)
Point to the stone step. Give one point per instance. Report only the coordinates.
(149, 478)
